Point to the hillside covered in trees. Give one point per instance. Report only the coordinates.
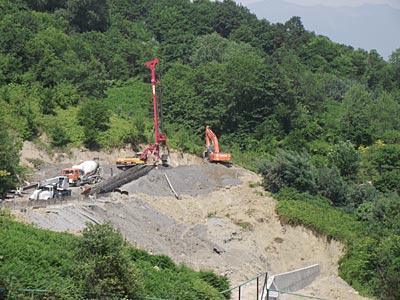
(319, 120)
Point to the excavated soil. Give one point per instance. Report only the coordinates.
(221, 220)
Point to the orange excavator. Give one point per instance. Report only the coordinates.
(212, 153)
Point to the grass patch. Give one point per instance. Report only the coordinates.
(323, 219)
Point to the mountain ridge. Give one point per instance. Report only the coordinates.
(369, 26)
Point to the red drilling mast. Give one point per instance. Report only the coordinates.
(152, 153)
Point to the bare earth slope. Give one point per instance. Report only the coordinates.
(223, 221)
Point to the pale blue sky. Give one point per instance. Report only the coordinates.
(358, 23)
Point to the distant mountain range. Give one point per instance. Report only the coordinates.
(368, 27)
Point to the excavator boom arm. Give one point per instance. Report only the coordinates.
(211, 137)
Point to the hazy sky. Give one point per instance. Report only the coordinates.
(392, 3)
(343, 21)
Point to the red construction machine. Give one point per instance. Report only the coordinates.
(157, 152)
(212, 153)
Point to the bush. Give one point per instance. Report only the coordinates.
(331, 185)
(361, 193)
(94, 117)
(346, 158)
(357, 267)
(220, 283)
(105, 269)
(289, 169)
(388, 181)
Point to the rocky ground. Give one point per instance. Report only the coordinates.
(221, 220)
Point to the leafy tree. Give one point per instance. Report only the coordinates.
(9, 159)
(296, 35)
(59, 136)
(94, 117)
(289, 169)
(388, 267)
(106, 271)
(346, 158)
(362, 193)
(87, 15)
(385, 157)
(208, 48)
(228, 17)
(394, 60)
(318, 53)
(331, 185)
(378, 73)
(381, 111)
(388, 181)
(358, 265)
(355, 120)
(45, 5)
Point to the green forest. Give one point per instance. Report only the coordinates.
(319, 120)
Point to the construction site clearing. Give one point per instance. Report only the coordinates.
(205, 215)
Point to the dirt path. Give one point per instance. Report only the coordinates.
(223, 221)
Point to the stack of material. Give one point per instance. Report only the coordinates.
(115, 182)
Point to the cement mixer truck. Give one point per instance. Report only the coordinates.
(88, 172)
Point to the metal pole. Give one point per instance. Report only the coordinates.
(240, 288)
(257, 288)
(265, 286)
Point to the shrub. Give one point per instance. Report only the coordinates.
(346, 158)
(220, 283)
(388, 181)
(94, 117)
(361, 193)
(331, 185)
(289, 169)
(105, 269)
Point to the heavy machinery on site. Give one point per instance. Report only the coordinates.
(212, 153)
(125, 163)
(51, 188)
(158, 152)
(88, 172)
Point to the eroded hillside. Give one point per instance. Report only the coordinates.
(222, 220)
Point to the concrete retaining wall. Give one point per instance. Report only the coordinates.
(291, 281)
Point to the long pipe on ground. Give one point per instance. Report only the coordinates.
(116, 181)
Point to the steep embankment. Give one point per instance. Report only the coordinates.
(223, 220)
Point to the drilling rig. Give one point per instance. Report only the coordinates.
(158, 152)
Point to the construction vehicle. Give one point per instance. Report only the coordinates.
(52, 188)
(88, 172)
(212, 153)
(125, 163)
(158, 152)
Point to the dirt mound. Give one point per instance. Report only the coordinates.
(191, 180)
